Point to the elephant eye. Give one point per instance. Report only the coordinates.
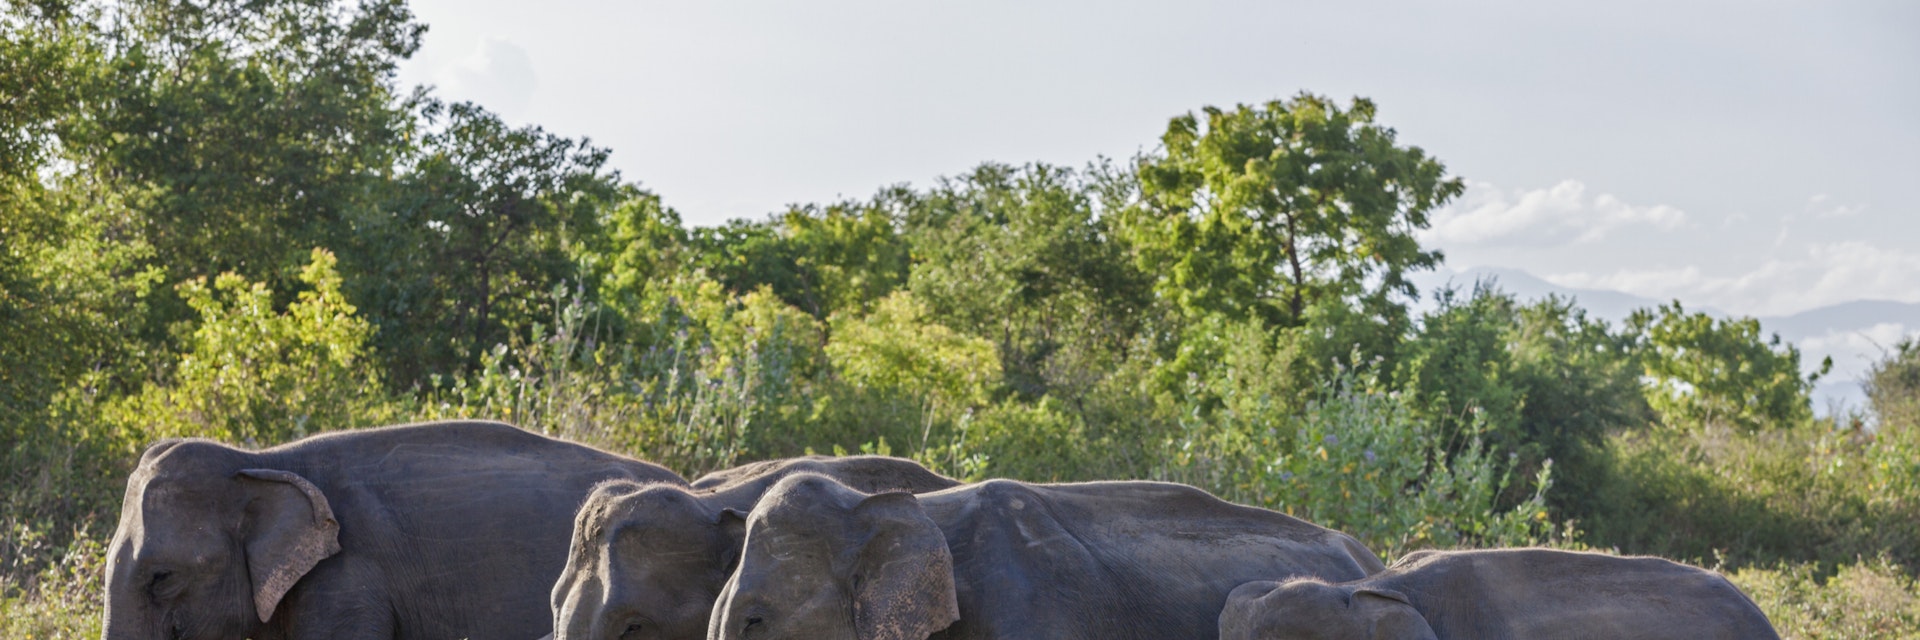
(633, 630)
(751, 623)
(162, 586)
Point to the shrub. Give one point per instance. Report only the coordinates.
(1360, 461)
(1893, 388)
(1868, 599)
(1703, 370)
(258, 376)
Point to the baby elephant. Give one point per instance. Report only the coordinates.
(1505, 593)
(648, 559)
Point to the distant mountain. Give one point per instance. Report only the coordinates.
(1859, 315)
(1612, 306)
(1855, 334)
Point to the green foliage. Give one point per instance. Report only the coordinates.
(479, 229)
(47, 67)
(1871, 598)
(1893, 388)
(49, 590)
(1457, 370)
(1580, 383)
(849, 254)
(824, 260)
(253, 374)
(244, 132)
(1360, 461)
(1708, 372)
(1017, 256)
(642, 243)
(1262, 210)
(1545, 383)
(1800, 493)
(898, 348)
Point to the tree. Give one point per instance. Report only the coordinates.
(640, 244)
(1457, 370)
(253, 374)
(1262, 210)
(483, 224)
(1580, 383)
(1018, 256)
(1893, 387)
(244, 132)
(822, 259)
(899, 348)
(1706, 371)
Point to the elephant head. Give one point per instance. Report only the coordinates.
(1308, 609)
(817, 551)
(647, 562)
(209, 545)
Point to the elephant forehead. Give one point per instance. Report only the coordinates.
(788, 547)
(653, 542)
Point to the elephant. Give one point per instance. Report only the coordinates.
(1499, 594)
(648, 560)
(434, 531)
(1003, 560)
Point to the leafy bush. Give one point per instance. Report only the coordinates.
(1360, 461)
(1800, 494)
(1705, 371)
(257, 376)
(691, 397)
(1868, 599)
(1893, 388)
(49, 590)
(898, 348)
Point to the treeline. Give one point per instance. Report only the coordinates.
(226, 219)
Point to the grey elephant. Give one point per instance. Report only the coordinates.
(1004, 559)
(434, 531)
(1500, 594)
(648, 560)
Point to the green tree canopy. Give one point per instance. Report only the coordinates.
(1893, 387)
(822, 259)
(1708, 371)
(245, 132)
(1261, 210)
(1018, 256)
(481, 227)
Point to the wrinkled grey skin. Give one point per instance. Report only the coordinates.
(648, 560)
(432, 531)
(1501, 594)
(1004, 559)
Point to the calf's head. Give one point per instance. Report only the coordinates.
(821, 560)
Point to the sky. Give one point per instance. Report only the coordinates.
(1754, 157)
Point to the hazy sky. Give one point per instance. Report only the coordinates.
(1755, 157)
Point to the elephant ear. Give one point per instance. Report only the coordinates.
(1391, 616)
(289, 528)
(733, 526)
(903, 577)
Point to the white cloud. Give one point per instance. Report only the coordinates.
(497, 74)
(1821, 209)
(1853, 352)
(1826, 274)
(1558, 215)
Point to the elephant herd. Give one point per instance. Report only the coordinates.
(483, 531)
